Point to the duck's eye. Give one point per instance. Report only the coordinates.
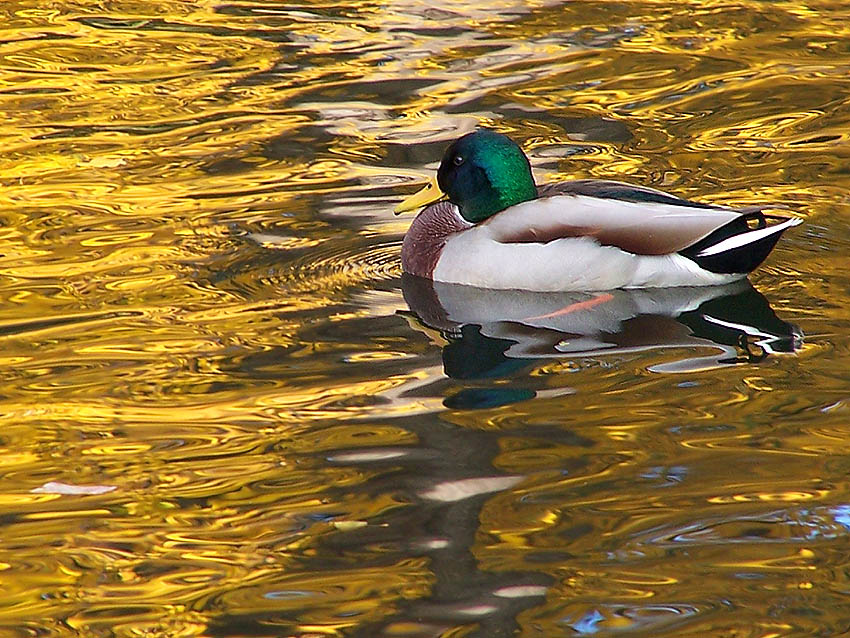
(458, 160)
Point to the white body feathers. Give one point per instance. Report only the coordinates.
(575, 242)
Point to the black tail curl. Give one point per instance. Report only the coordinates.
(743, 256)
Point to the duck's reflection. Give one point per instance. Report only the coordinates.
(493, 333)
(440, 490)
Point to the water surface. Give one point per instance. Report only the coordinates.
(225, 412)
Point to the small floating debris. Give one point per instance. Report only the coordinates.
(346, 526)
(55, 487)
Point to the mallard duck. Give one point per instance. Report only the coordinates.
(492, 227)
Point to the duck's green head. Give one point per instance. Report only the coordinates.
(482, 173)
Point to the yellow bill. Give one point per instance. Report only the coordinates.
(431, 193)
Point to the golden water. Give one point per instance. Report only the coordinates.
(220, 418)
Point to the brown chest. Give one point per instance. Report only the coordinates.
(426, 237)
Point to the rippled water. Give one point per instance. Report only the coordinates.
(226, 414)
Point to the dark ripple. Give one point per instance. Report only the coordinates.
(22, 327)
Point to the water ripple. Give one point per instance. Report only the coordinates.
(217, 423)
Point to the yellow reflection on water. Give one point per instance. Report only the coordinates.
(213, 421)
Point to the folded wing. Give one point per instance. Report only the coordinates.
(643, 221)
